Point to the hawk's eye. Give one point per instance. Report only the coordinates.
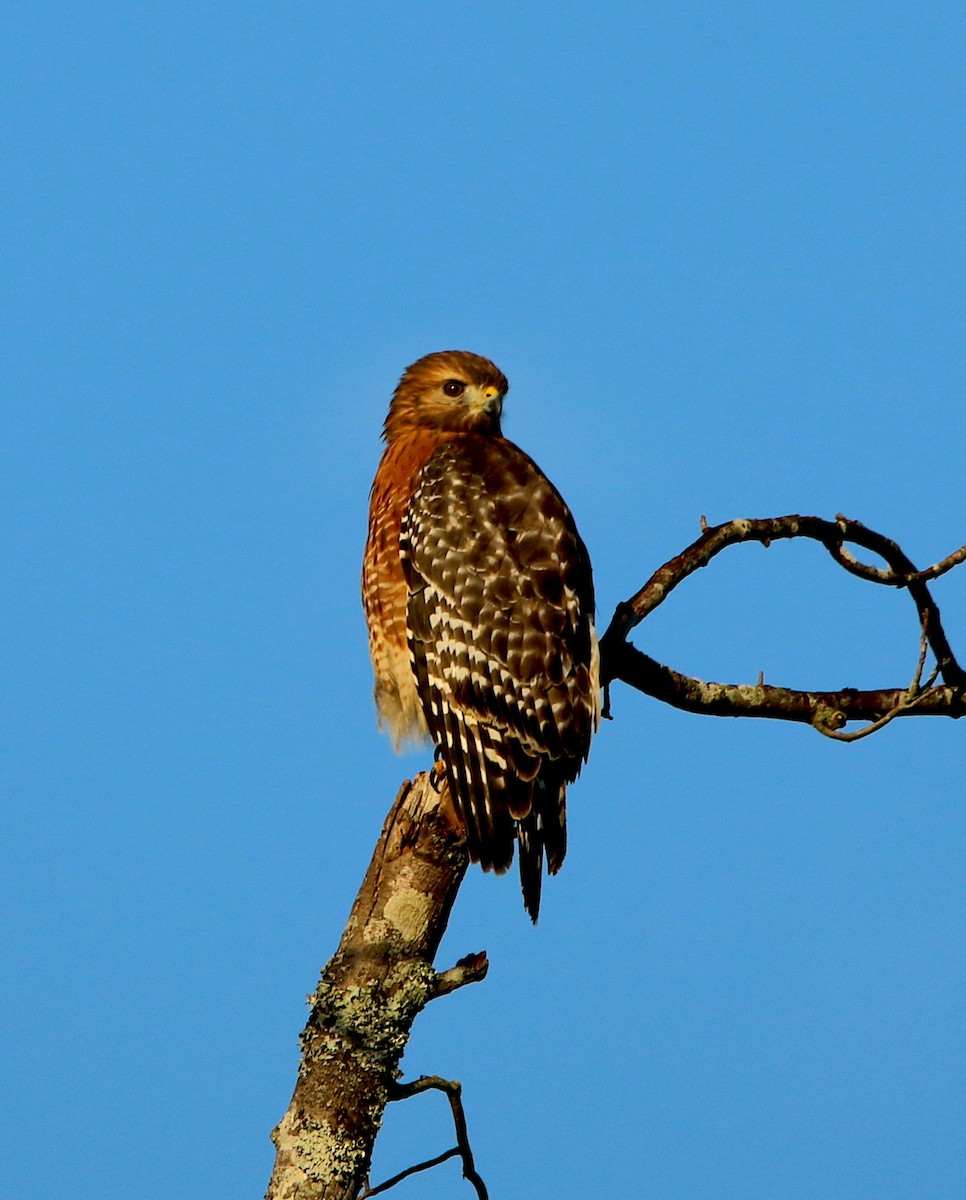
(453, 387)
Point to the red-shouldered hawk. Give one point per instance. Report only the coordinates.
(480, 604)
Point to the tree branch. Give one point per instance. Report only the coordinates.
(428, 1165)
(368, 997)
(382, 975)
(469, 969)
(454, 1093)
(827, 711)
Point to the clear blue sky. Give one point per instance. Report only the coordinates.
(720, 252)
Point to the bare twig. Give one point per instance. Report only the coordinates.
(913, 695)
(940, 568)
(386, 1184)
(453, 1090)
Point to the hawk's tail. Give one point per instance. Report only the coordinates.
(542, 830)
(503, 794)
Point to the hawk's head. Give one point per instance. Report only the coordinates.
(452, 389)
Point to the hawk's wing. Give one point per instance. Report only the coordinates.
(502, 642)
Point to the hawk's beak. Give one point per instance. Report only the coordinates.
(492, 401)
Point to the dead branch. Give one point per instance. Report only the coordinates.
(914, 695)
(454, 1093)
(827, 711)
(428, 1165)
(370, 993)
(382, 974)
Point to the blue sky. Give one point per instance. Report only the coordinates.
(720, 252)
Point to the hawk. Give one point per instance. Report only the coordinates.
(479, 599)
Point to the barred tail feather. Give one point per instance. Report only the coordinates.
(550, 801)
(530, 854)
(542, 833)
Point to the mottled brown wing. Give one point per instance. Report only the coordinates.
(502, 643)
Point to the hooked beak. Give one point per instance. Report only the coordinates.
(492, 401)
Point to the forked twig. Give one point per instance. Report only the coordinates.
(912, 696)
(453, 1090)
(414, 1170)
